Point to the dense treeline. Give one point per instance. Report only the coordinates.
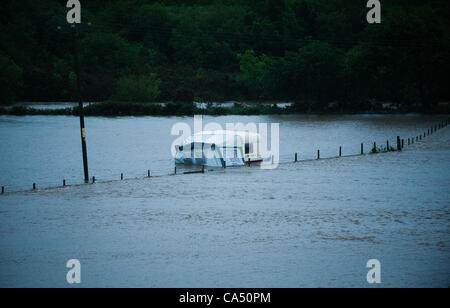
(311, 51)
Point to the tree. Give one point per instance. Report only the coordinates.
(316, 72)
(10, 80)
(253, 69)
(138, 89)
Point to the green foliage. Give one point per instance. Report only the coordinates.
(253, 70)
(10, 80)
(138, 89)
(310, 51)
(110, 51)
(184, 95)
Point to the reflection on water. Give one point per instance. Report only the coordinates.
(314, 223)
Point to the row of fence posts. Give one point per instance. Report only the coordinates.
(400, 142)
(400, 146)
(64, 182)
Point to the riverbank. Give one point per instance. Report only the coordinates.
(115, 109)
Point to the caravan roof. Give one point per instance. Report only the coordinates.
(224, 138)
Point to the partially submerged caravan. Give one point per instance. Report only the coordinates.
(221, 148)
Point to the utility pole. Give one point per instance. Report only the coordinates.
(80, 106)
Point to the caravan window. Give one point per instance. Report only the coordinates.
(248, 148)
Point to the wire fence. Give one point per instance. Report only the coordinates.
(399, 145)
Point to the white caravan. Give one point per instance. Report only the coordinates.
(221, 148)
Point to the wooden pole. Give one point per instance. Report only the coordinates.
(80, 106)
(399, 145)
(375, 147)
(121, 176)
(148, 173)
(296, 157)
(387, 146)
(93, 180)
(340, 151)
(409, 141)
(34, 186)
(403, 143)
(3, 190)
(318, 154)
(64, 183)
(362, 148)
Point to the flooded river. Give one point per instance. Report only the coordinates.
(310, 224)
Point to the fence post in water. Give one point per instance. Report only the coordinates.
(3, 190)
(318, 154)
(399, 145)
(34, 186)
(409, 141)
(374, 148)
(362, 148)
(340, 151)
(148, 173)
(387, 146)
(64, 183)
(296, 157)
(403, 143)
(93, 180)
(121, 176)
